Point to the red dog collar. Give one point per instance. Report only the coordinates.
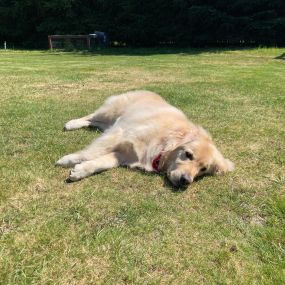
(155, 163)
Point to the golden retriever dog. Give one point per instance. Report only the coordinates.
(141, 130)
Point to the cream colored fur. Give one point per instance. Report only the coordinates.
(138, 126)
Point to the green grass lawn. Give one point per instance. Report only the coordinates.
(130, 227)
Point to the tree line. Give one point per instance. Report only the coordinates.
(27, 23)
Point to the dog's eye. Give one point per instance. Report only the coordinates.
(203, 169)
(189, 155)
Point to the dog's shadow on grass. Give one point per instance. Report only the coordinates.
(282, 56)
(166, 182)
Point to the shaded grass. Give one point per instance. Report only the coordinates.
(125, 226)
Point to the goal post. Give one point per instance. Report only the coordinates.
(68, 38)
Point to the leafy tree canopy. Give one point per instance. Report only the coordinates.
(146, 23)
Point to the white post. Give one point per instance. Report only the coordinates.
(5, 45)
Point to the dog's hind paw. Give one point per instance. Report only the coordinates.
(71, 125)
(76, 124)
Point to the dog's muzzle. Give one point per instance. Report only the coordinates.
(185, 180)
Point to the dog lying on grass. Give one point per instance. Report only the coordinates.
(141, 130)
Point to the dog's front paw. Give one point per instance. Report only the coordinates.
(77, 173)
(68, 160)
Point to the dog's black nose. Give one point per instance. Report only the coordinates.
(185, 180)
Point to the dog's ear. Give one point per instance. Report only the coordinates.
(220, 164)
(202, 132)
(223, 165)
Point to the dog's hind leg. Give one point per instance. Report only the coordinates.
(97, 165)
(104, 117)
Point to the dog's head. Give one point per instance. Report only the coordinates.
(195, 158)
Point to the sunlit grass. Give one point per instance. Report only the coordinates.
(129, 227)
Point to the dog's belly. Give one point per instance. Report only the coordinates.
(144, 128)
(138, 145)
